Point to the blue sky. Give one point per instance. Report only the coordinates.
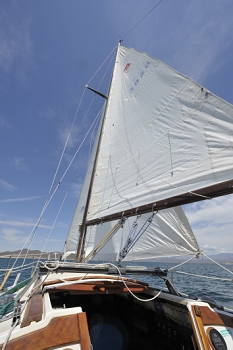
(49, 50)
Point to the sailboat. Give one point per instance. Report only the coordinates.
(164, 141)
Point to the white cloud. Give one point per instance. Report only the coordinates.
(22, 224)
(212, 223)
(48, 113)
(218, 211)
(76, 189)
(13, 236)
(13, 200)
(6, 186)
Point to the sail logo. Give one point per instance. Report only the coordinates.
(126, 68)
(140, 76)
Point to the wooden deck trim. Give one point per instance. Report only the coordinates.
(100, 287)
(204, 316)
(213, 318)
(84, 331)
(64, 330)
(103, 277)
(197, 315)
(34, 308)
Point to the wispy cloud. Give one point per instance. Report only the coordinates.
(13, 236)
(212, 221)
(6, 186)
(48, 113)
(13, 200)
(16, 55)
(22, 224)
(76, 189)
(217, 211)
(18, 163)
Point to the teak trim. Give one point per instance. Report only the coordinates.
(60, 331)
(34, 309)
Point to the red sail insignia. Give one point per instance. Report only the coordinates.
(126, 67)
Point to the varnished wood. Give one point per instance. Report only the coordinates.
(213, 318)
(34, 309)
(100, 287)
(84, 332)
(60, 331)
(204, 316)
(201, 330)
(103, 277)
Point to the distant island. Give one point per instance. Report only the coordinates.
(224, 258)
(31, 254)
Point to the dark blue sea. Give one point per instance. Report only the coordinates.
(190, 283)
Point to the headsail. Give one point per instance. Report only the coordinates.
(164, 139)
(73, 234)
(169, 235)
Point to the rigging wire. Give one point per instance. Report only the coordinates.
(142, 19)
(68, 137)
(201, 276)
(48, 200)
(62, 155)
(113, 50)
(219, 264)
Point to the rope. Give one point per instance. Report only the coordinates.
(82, 280)
(219, 264)
(144, 300)
(207, 277)
(172, 268)
(51, 268)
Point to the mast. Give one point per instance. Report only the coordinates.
(82, 235)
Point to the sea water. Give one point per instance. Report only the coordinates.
(196, 279)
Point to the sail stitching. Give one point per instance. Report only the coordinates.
(170, 152)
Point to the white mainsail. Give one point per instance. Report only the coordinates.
(164, 135)
(168, 235)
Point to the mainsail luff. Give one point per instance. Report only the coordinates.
(83, 226)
